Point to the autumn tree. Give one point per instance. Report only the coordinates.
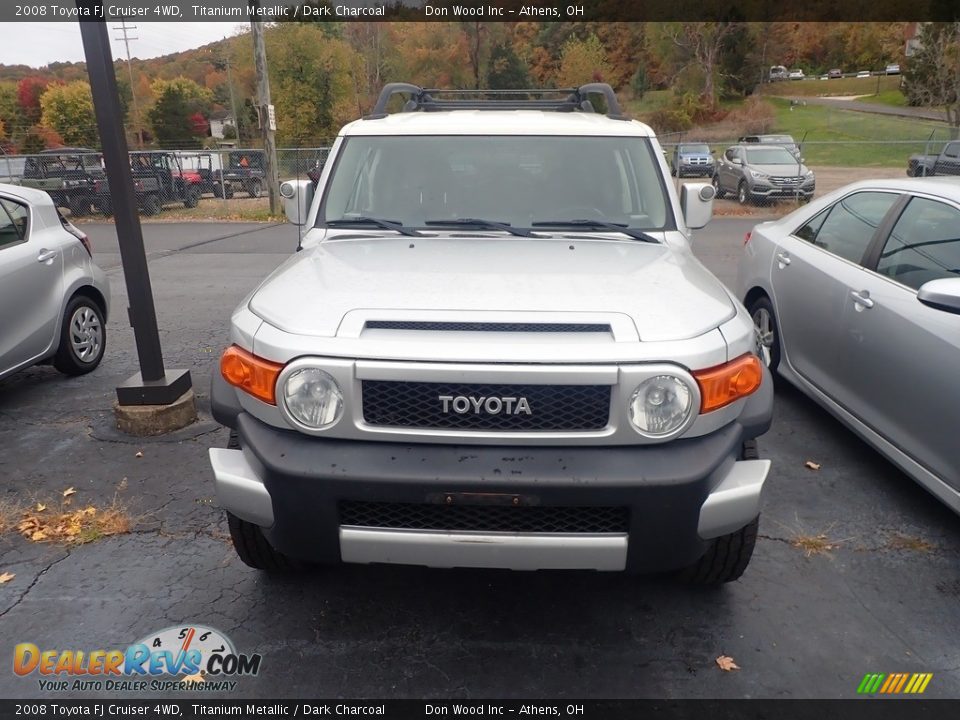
(176, 102)
(694, 52)
(371, 43)
(932, 75)
(506, 71)
(9, 110)
(68, 109)
(431, 54)
(29, 90)
(583, 61)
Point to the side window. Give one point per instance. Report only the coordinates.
(952, 150)
(731, 153)
(851, 223)
(13, 223)
(809, 231)
(924, 244)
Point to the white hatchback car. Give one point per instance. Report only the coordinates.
(53, 298)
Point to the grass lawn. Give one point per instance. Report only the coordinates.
(842, 86)
(894, 98)
(853, 139)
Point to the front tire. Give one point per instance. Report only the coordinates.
(83, 337)
(726, 559)
(254, 188)
(768, 332)
(743, 195)
(249, 542)
(152, 205)
(191, 197)
(720, 192)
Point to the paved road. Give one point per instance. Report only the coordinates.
(885, 598)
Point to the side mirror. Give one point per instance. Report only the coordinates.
(297, 197)
(737, 161)
(942, 294)
(696, 202)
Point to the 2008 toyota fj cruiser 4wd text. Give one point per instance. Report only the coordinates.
(495, 349)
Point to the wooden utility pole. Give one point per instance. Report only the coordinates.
(263, 105)
(125, 29)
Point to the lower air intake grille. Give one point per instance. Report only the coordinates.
(487, 327)
(486, 407)
(484, 518)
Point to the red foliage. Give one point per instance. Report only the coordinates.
(29, 91)
(199, 125)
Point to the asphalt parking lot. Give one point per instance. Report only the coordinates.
(857, 569)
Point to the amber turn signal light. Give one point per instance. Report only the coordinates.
(253, 375)
(724, 384)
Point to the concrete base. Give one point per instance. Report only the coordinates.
(144, 420)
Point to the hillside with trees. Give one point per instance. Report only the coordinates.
(325, 74)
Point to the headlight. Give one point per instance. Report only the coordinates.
(660, 405)
(757, 174)
(313, 398)
(809, 173)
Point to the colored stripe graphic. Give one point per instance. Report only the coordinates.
(894, 683)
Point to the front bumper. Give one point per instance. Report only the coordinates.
(677, 495)
(697, 170)
(782, 192)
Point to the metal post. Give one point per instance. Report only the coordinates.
(263, 102)
(153, 385)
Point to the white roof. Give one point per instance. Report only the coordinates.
(28, 195)
(497, 122)
(947, 187)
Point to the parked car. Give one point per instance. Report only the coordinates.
(204, 170)
(863, 74)
(835, 74)
(947, 162)
(786, 141)
(54, 299)
(245, 171)
(70, 176)
(856, 301)
(487, 355)
(692, 159)
(778, 72)
(893, 69)
(797, 74)
(755, 173)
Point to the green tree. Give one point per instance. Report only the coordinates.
(9, 111)
(68, 109)
(175, 103)
(507, 71)
(932, 74)
(694, 54)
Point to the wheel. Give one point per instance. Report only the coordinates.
(726, 559)
(104, 207)
(83, 337)
(720, 192)
(79, 206)
(191, 196)
(743, 195)
(251, 545)
(152, 205)
(254, 188)
(768, 332)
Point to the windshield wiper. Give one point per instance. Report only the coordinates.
(616, 227)
(385, 224)
(488, 224)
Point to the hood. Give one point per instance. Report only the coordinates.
(781, 170)
(668, 294)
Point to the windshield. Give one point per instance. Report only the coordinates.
(691, 149)
(770, 156)
(508, 179)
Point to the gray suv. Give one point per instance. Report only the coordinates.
(494, 349)
(758, 173)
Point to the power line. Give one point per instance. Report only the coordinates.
(133, 92)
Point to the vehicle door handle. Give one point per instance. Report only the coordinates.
(46, 256)
(862, 297)
(783, 258)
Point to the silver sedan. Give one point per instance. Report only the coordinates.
(856, 301)
(53, 298)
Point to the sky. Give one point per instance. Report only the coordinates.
(37, 44)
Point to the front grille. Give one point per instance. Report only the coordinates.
(484, 518)
(785, 180)
(551, 407)
(487, 327)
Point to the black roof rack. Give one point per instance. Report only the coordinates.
(557, 100)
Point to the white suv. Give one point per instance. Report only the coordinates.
(495, 349)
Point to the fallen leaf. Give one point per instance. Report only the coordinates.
(726, 663)
(41, 507)
(139, 454)
(69, 491)
(122, 485)
(6, 577)
(811, 465)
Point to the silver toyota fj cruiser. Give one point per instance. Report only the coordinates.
(494, 349)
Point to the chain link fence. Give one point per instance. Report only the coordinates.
(773, 171)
